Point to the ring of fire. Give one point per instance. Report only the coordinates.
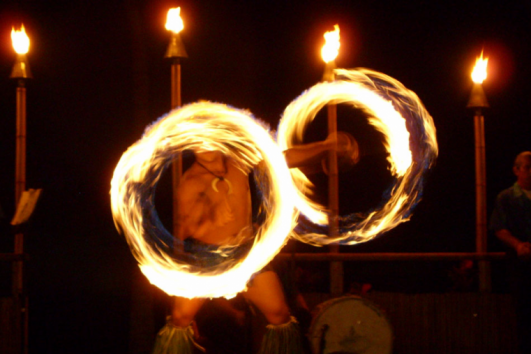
(394, 111)
(209, 126)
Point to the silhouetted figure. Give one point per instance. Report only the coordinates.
(511, 222)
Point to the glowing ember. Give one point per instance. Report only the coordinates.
(330, 49)
(20, 40)
(479, 74)
(388, 104)
(207, 126)
(174, 21)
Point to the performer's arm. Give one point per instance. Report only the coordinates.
(306, 154)
(499, 224)
(523, 249)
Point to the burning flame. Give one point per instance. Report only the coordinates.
(174, 21)
(386, 102)
(330, 49)
(479, 74)
(208, 126)
(20, 40)
(237, 134)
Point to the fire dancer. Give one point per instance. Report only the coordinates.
(214, 209)
(511, 222)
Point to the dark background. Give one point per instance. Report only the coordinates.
(100, 78)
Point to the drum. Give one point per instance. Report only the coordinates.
(350, 324)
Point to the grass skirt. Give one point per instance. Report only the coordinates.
(282, 339)
(172, 339)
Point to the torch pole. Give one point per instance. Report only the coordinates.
(478, 101)
(177, 165)
(336, 267)
(481, 201)
(20, 181)
(21, 72)
(21, 300)
(175, 52)
(20, 159)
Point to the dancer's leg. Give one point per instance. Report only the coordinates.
(265, 292)
(184, 310)
(177, 336)
(282, 335)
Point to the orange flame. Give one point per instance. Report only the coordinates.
(479, 74)
(174, 21)
(330, 49)
(20, 40)
(203, 125)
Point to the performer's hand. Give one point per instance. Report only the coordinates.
(523, 250)
(339, 141)
(346, 147)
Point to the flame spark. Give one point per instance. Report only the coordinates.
(202, 125)
(174, 21)
(388, 104)
(479, 74)
(330, 49)
(20, 40)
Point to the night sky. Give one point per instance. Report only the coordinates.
(100, 78)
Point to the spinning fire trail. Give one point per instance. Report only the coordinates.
(208, 126)
(392, 110)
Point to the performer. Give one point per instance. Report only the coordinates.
(214, 208)
(511, 222)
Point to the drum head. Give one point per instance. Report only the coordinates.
(350, 325)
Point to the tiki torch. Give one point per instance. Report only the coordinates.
(21, 73)
(175, 52)
(329, 53)
(478, 102)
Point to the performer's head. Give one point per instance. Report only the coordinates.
(522, 169)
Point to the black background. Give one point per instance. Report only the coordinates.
(100, 78)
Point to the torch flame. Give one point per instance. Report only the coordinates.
(20, 40)
(330, 49)
(174, 21)
(479, 74)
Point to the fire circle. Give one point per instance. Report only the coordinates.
(410, 141)
(214, 126)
